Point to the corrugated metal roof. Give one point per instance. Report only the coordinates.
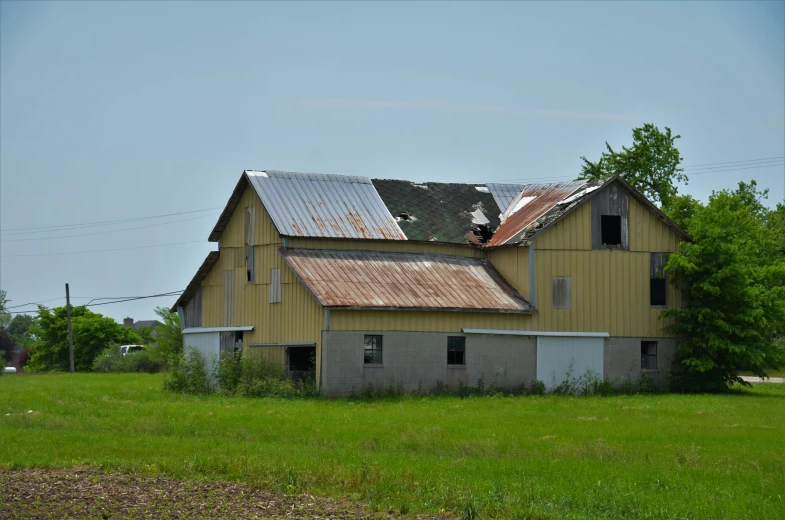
(542, 199)
(325, 206)
(383, 280)
(504, 193)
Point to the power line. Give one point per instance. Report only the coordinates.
(104, 250)
(35, 303)
(15, 231)
(736, 169)
(106, 232)
(734, 162)
(132, 298)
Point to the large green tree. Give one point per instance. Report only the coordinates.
(651, 164)
(733, 277)
(169, 334)
(5, 316)
(20, 330)
(92, 334)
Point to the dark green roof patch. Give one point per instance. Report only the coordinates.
(435, 211)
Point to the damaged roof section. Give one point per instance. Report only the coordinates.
(440, 212)
(504, 193)
(536, 206)
(403, 281)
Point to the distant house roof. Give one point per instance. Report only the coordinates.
(320, 206)
(435, 211)
(150, 324)
(383, 280)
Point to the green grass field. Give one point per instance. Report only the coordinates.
(661, 456)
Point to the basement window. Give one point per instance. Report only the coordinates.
(610, 227)
(373, 350)
(658, 286)
(648, 355)
(456, 350)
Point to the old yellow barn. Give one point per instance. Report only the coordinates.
(369, 282)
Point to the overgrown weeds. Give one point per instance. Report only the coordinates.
(150, 360)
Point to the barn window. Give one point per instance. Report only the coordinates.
(456, 350)
(610, 227)
(658, 287)
(373, 350)
(648, 355)
(250, 268)
(562, 292)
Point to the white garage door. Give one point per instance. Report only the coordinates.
(555, 354)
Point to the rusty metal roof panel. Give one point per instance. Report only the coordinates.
(324, 206)
(504, 193)
(403, 281)
(532, 203)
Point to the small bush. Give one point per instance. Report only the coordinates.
(537, 387)
(149, 360)
(188, 374)
(249, 376)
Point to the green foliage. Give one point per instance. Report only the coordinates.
(149, 360)
(20, 329)
(733, 278)
(92, 332)
(651, 164)
(7, 346)
(169, 334)
(250, 376)
(188, 375)
(681, 209)
(5, 316)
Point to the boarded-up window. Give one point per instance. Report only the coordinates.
(228, 309)
(275, 285)
(562, 292)
(250, 265)
(658, 288)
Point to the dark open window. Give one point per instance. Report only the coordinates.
(373, 350)
(648, 354)
(611, 230)
(658, 287)
(456, 350)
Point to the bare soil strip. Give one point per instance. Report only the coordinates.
(86, 494)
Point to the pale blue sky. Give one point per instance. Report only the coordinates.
(112, 110)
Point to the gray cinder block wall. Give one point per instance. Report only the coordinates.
(416, 360)
(419, 360)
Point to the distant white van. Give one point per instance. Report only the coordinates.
(125, 349)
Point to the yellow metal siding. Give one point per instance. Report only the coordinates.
(297, 318)
(512, 262)
(395, 246)
(610, 293)
(426, 321)
(572, 232)
(648, 233)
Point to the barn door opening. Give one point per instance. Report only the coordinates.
(300, 362)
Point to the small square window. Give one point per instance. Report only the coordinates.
(611, 230)
(648, 355)
(373, 350)
(456, 350)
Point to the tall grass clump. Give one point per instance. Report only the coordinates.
(250, 376)
(188, 374)
(149, 360)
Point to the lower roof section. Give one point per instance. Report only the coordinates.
(403, 281)
(199, 330)
(505, 332)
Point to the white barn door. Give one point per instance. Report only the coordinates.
(556, 353)
(208, 344)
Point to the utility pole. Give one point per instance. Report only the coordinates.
(70, 330)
